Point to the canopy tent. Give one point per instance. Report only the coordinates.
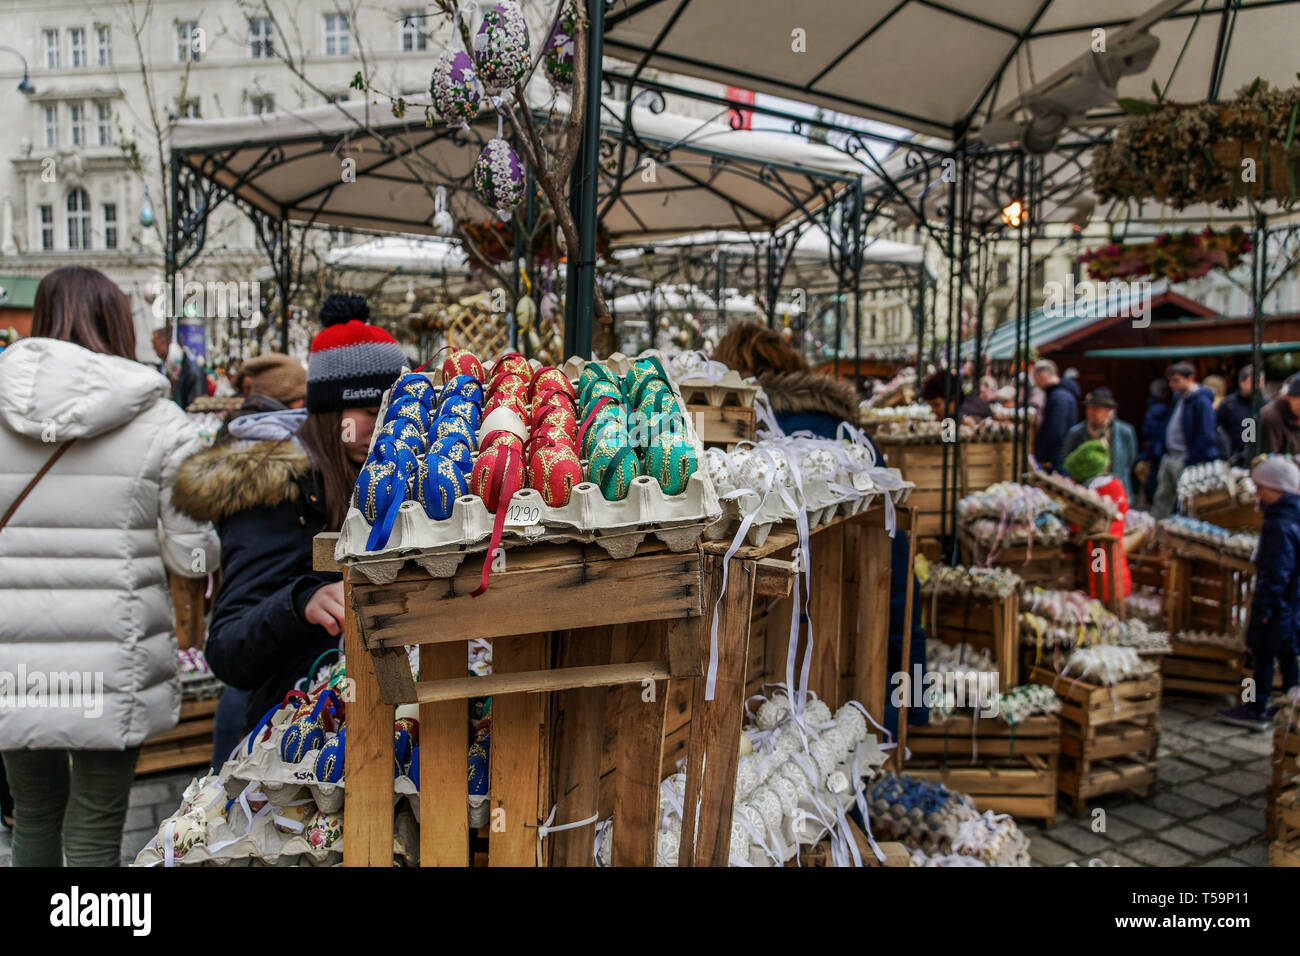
(945, 66)
(402, 254)
(679, 176)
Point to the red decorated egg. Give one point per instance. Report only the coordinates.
(512, 363)
(553, 470)
(499, 470)
(547, 380)
(461, 362)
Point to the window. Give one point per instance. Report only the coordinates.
(104, 124)
(104, 40)
(261, 103)
(189, 41)
(1040, 273)
(336, 97)
(1004, 267)
(110, 225)
(336, 34)
(78, 219)
(52, 127)
(77, 120)
(77, 46)
(413, 36)
(190, 108)
(47, 227)
(51, 49)
(259, 38)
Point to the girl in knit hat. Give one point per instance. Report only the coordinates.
(286, 476)
(1275, 604)
(1089, 465)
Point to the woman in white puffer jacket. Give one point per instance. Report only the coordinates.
(87, 642)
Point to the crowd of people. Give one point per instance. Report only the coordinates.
(107, 489)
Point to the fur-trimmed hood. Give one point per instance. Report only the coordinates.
(794, 392)
(227, 479)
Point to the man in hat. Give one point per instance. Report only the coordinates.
(1275, 606)
(1100, 424)
(1279, 421)
(1233, 413)
(1060, 412)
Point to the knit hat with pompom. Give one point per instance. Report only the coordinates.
(352, 363)
(1087, 461)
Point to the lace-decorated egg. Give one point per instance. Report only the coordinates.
(754, 817)
(817, 713)
(740, 840)
(715, 466)
(668, 847)
(787, 742)
(820, 464)
(455, 87)
(746, 776)
(798, 776)
(501, 46)
(823, 754)
(841, 742)
(850, 719)
(772, 711)
(786, 791)
(769, 805)
(499, 177)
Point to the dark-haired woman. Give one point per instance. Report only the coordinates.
(284, 477)
(89, 449)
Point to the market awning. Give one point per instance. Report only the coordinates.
(942, 67)
(295, 165)
(1190, 351)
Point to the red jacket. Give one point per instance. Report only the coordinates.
(1108, 486)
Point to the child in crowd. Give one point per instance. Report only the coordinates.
(1276, 604)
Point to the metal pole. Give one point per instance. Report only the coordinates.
(581, 287)
(857, 285)
(1020, 431)
(285, 267)
(1258, 279)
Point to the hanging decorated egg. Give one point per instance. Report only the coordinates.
(512, 363)
(501, 46)
(559, 49)
(499, 177)
(464, 408)
(455, 87)
(443, 224)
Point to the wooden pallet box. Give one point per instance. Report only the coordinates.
(977, 464)
(1285, 849)
(1206, 590)
(1053, 567)
(1285, 771)
(983, 621)
(1109, 735)
(188, 744)
(1005, 769)
(1202, 668)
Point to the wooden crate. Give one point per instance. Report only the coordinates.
(1222, 509)
(1285, 848)
(1108, 735)
(1206, 590)
(978, 465)
(188, 744)
(1048, 567)
(723, 426)
(1285, 771)
(1004, 769)
(984, 622)
(1202, 668)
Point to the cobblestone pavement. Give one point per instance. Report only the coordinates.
(1208, 809)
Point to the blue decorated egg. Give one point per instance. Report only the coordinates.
(329, 762)
(416, 385)
(301, 736)
(455, 449)
(463, 386)
(464, 408)
(439, 483)
(454, 425)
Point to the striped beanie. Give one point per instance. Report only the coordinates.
(351, 365)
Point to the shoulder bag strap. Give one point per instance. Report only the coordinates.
(49, 463)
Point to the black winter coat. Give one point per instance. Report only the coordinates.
(267, 504)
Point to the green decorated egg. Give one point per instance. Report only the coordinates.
(671, 461)
(612, 468)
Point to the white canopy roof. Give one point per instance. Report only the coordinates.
(942, 66)
(704, 175)
(401, 253)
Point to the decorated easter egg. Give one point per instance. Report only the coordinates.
(499, 176)
(553, 470)
(670, 460)
(403, 430)
(453, 425)
(443, 224)
(558, 58)
(181, 834)
(324, 830)
(301, 736)
(514, 404)
(400, 454)
(439, 482)
(461, 362)
(499, 471)
(412, 409)
(556, 417)
(607, 426)
(292, 819)
(329, 762)
(415, 385)
(658, 398)
(478, 759)
(501, 46)
(463, 386)
(613, 467)
(456, 450)
(512, 363)
(464, 408)
(375, 489)
(455, 87)
(547, 380)
(596, 389)
(508, 383)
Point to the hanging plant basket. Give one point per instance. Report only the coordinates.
(1173, 256)
(1181, 154)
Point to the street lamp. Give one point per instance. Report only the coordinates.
(25, 87)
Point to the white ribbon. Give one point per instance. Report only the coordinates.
(548, 827)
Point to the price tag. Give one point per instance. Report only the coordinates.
(523, 515)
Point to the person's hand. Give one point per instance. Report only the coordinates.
(325, 607)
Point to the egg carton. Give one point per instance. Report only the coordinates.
(819, 503)
(731, 389)
(618, 527)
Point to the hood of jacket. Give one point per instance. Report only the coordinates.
(1286, 508)
(794, 392)
(260, 468)
(1070, 385)
(49, 387)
